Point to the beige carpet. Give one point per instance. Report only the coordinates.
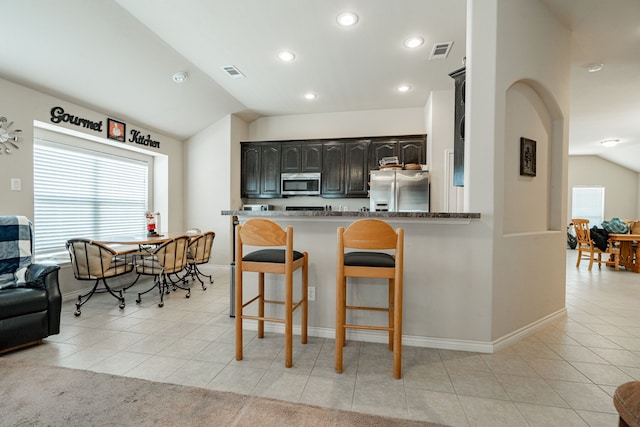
(34, 395)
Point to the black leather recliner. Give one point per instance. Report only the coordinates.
(30, 298)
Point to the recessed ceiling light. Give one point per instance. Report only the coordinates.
(347, 19)
(610, 142)
(413, 42)
(310, 95)
(180, 77)
(286, 56)
(403, 88)
(594, 68)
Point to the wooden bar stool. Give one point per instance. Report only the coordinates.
(260, 232)
(371, 236)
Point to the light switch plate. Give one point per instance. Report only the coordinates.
(16, 184)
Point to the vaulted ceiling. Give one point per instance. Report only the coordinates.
(118, 57)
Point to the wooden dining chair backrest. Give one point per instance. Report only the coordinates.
(581, 228)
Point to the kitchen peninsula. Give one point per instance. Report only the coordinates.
(439, 293)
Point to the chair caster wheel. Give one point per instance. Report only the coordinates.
(77, 313)
(121, 306)
(188, 295)
(204, 288)
(160, 304)
(138, 300)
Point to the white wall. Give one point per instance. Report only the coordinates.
(512, 41)
(407, 121)
(621, 185)
(440, 118)
(212, 181)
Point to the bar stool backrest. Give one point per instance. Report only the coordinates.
(370, 234)
(263, 232)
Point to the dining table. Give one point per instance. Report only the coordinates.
(142, 239)
(629, 250)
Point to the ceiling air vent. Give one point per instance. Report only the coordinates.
(233, 71)
(441, 50)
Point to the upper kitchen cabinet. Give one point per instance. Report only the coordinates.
(260, 170)
(408, 149)
(458, 131)
(356, 169)
(333, 159)
(301, 157)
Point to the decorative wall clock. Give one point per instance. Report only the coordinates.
(8, 137)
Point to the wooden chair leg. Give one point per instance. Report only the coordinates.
(340, 302)
(288, 320)
(305, 298)
(397, 331)
(238, 313)
(261, 305)
(390, 314)
(579, 258)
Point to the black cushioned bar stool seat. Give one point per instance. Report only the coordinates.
(271, 255)
(369, 259)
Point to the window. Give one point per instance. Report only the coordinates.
(588, 203)
(85, 193)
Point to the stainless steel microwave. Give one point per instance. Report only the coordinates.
(300, 184)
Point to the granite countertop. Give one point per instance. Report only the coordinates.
(358, 214)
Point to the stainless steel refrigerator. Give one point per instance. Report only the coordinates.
(399, 191)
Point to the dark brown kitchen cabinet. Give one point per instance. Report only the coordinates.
(408, 149)
(301, 157)
(458, 130)
(356, 169)
(333, 159)
(379, 149)
(260, 170)
(412, 150)
(344, 163)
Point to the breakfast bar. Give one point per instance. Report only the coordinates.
(440, 299)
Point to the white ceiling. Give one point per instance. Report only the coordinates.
(118, 57)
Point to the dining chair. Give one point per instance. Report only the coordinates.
(168, 258)
(92, 260)
(587, 249)
(199, 252)
(370, 248)
(265, 233)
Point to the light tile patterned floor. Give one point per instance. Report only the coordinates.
(563, 375)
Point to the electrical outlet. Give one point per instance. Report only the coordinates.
(311, 293)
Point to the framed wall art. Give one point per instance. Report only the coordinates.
(116, 130)
(527, 157)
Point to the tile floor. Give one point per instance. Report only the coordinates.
(562, 375)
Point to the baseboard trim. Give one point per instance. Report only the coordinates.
(419, 341)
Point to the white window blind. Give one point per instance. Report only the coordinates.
(84, 193)
(588, 203)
